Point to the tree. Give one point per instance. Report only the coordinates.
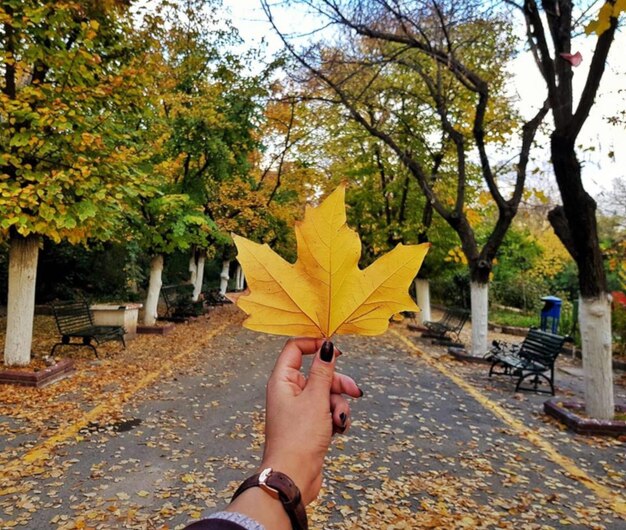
(443, 63)
(551, 37)
(169, 222)
(206, 113)
(68, 164)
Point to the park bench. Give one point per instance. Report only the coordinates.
(531, 360)
(74, 319)
(447, 329)
(215, 298)
(179, 303)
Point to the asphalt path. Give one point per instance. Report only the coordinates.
(433, 444)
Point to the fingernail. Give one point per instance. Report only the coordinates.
(326, 353)
(361, 391)
(343, 419)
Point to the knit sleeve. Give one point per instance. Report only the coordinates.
(226, 521)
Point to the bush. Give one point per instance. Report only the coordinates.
(452, 290)
(618, 324)
(520, 292)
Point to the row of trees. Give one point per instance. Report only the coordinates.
(140, 127)
(145, 128)
(426, 81)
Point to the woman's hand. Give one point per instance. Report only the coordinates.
(303, 413)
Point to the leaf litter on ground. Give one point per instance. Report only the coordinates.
(400, 467)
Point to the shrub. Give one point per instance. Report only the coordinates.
(618, 324)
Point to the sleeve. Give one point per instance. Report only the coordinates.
(226, 521)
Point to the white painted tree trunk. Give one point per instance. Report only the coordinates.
(422, 293)
(224, 277)
(23, 255)
(479, 294)
(193, 267)
(240, 279)
(154, 289)
(594, 318)
(197, 284)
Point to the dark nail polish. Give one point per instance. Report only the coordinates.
(343, 419)
(326, 353)
(361, 391)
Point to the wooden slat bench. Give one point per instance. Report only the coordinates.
(447, 329)
(215, 298)
(532, 360)
(179, 303)
(75, 320)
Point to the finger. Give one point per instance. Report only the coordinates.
(340, 410)
(321, 373)
(343, 384)
(291, 355)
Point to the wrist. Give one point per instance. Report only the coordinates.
(261, 507)
(297, 471)
(277, 486)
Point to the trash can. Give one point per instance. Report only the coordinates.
(551, 314)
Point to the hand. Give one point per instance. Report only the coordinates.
(302, 414)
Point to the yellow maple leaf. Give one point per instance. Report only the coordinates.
(324, 292)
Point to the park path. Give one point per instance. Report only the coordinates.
(433, 445)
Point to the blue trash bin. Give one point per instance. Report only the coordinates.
(551, 314)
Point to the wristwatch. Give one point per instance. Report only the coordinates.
(281, 487)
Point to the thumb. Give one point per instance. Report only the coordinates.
(322, 371)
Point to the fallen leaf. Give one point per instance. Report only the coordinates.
(324, 292)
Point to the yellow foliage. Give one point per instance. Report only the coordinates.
(603, 22)
(554, 256)
(456, 255)
(473, 217)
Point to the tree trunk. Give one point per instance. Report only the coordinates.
(422, 293)
(193, 267)
(197, 284)
(224, 277)
(240, 279)
(23, 254)
(575, 225)
(479, 293)
(575, 222)
(154, 289)
(595, 329)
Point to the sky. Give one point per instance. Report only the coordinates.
(597, 139)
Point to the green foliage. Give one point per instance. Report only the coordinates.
(201, 128)
(512, 285)
(452, 287)
(101, 272)
(173, 222)
(72, 76)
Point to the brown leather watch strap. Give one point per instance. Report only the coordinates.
(288, 493)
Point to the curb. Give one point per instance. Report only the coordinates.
(566, 413)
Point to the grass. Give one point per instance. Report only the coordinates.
(510, 318)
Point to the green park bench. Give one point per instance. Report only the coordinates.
(74, 320)
(531, 360)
